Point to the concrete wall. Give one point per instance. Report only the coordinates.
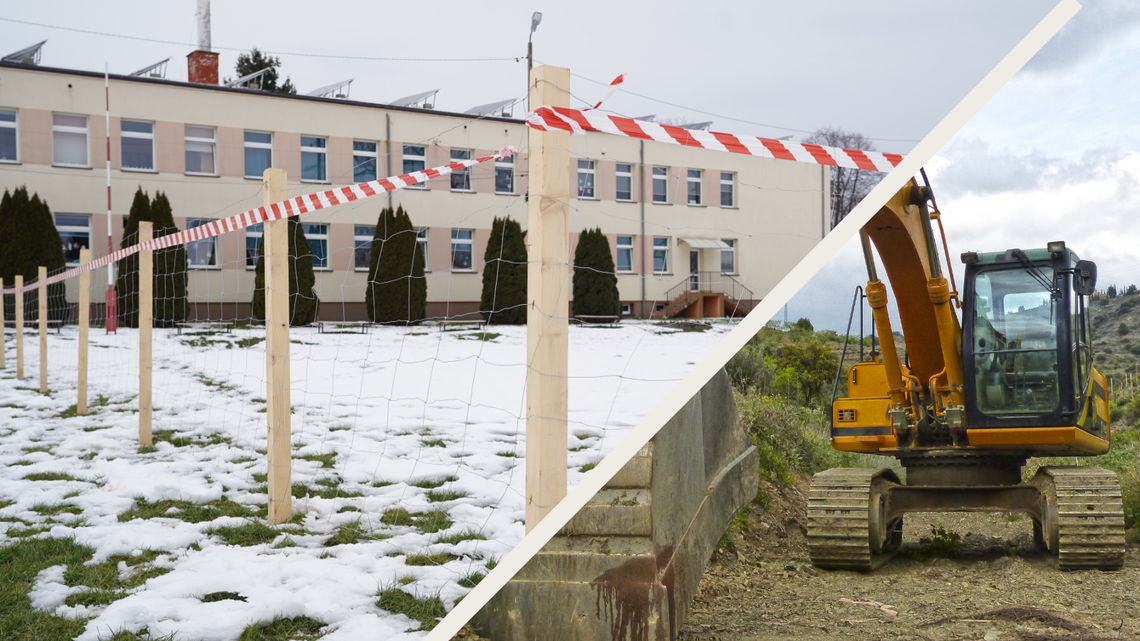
(626, 567)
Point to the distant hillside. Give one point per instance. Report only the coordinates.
(1116, 340)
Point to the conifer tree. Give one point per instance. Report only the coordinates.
(169, 266)
(303, 302)
(29, 239)
(503, 301)
(397, 288)
(595, 283)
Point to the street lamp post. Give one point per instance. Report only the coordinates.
(535, 19)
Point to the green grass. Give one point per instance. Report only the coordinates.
(251, 533)
(429, 559)
(96, 428)
(326, 460)
(20, 562)
(511, 454)
(428, 523)
(439, 496)
(459, 537)
(189, 512)
(587, 467)
(214, 597)
(20, 462)
(426, 610)
(433, 442)
(432, 483)
(348, 508)
(282, 629)
(472, 580)
(36, 448)
(52, 476)
(350, 533)
(249, 342)
(59, 508)
(479, 336)
(330, 490)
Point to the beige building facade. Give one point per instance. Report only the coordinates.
(693, 232)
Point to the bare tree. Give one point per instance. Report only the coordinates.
(848, 186)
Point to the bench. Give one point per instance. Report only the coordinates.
(462, 321)
(590, 318)
(363, 325)
(33, 324)
(209, 325)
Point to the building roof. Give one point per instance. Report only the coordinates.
(248, 92)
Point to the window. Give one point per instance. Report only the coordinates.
(695, 186)
(728, 257)
(727, 189)
(200, 150)
(505, 175)
(624, 175)
(362, 254)
(138, 145)
(462, 249)
(253, 235)
(422, 241)
(75, 232)
(363, 161)
(461, 179)
(318, 236)
(660, 255)
(201, 253)
(415, 160)
(313, 159)
(8, 146)
(585, 179)
(258, 153)
(660, 184)
(69, 140)
(625, 253)
(626, 309)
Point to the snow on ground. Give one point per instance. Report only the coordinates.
(424, 420)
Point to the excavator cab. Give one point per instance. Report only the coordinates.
(1027, 371)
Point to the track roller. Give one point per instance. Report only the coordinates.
(1082, 517)
(846, 524)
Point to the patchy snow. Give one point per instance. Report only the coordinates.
(395, 408)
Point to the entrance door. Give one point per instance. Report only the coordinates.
(694, 270)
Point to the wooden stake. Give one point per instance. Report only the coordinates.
(548, 287)
(275, 239)
(146, 316)
(3, 336)
(19, 329)
(84, 321)
(42, 299)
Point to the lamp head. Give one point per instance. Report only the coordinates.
(535, 19)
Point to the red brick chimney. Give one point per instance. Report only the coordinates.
(202, 67)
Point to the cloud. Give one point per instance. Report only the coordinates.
(973, 166)
(1096, 28)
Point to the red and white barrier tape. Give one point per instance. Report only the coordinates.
(276, 211)
(579, 121)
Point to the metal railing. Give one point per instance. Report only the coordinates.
(714, 283)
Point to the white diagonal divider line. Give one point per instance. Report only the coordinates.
(753, 322)
(276, 211)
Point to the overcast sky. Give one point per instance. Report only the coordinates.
(890, 70)
(1054, 156)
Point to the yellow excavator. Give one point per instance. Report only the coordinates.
(971, 401)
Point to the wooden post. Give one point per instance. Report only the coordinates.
(84, 321)
(19, 328)
(3, 336)
(548, 287)
(42, 299)
(275, 240)
(146, 314)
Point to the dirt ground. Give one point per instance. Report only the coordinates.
(998, 589)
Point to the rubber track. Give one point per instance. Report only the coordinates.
(1090, 518)
(837, 520)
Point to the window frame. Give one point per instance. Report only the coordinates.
(213, 242)
(374, 156)
(465, 173)
(358, 238)
(731, 242)
(124, 134)
(590, 172)
(213, 142)
(72, 230)
(405, 157)
(618, 175)
(86, 129)
(248, 144)
(256, 230)
(625, 247)
(322, 236)
(507, 163)
(15, 127)
(461, 241)
(323, 152)
(731, 183)
(422, 241)
(694, 181)
(664, 249)
(663, 176)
